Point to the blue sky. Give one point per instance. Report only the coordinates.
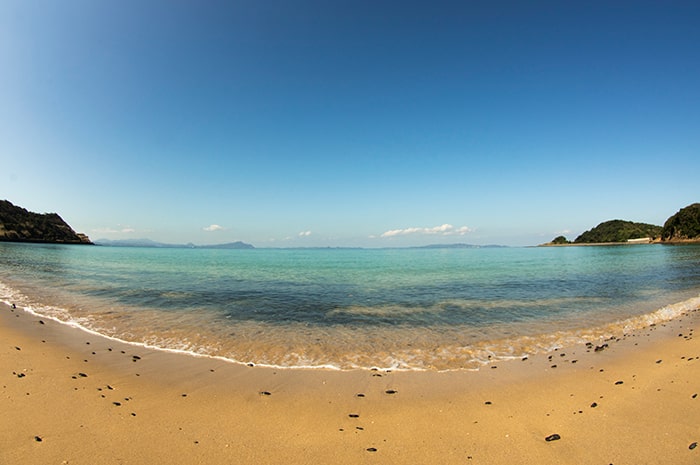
(321, 123)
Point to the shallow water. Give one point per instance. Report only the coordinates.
(389, 308)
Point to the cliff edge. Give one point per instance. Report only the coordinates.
(20, 225)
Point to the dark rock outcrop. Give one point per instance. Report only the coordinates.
(20, 225)
(683, 226)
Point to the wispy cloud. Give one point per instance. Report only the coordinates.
(213, 227)
(126, 230)
(305, 234)
(442, 230)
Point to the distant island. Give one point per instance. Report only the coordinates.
(150, 243)
(20, 225)
(684, 226)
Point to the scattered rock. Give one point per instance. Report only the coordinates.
(371, 449)
(619, 382)
(265, 393)
(594, 405)
(488, 402)
(118, 404)
(38, 438)
(693, 446)
(391, 391)
(359, 395)
(82, 375)
(354, 415)
(552, 437)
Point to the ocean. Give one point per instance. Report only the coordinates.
(399, 309)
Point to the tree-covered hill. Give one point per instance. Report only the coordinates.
(20, 225)
(619, 231)
(684, 225)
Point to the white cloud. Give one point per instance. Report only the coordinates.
(442, 230)
(305, 234)
(214, 227)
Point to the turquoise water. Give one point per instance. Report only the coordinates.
(389, 308)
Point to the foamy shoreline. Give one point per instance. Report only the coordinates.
(474, 357)
(73, 397)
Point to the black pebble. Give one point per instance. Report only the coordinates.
(359, 395)
(391, 391)
(594, 405)
(18, 348)
(488, 402)
(265, 393)
(553, 437)
(694, 396)
(184, 395)
(354, 415)
(118, 404)
(371, 449)
(21, 375)
(693, 446)
(618, 383)
(82, 375)
(38, 438)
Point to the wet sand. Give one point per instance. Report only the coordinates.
(70, 397)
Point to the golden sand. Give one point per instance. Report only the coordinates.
(70, 397)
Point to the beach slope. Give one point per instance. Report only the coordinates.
(71, 397)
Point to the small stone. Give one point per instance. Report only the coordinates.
(371, 449)
(594, 405)
(359, 395)
(82, 375)
(265, 393)
(694, 396)
(117, 404)
(617, 383)
(38, 438)
(693, 446)
(391, 391)
(488, 402)
(552, 437)
(354, 415)
(41, 322)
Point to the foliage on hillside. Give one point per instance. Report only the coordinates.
(618, 231)
(683, 225)
(20, 225)
(560, 240)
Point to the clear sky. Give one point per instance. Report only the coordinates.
(363, 123)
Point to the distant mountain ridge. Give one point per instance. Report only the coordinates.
(20, 225)
(684, 226)
(161, 245)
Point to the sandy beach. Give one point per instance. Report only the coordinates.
(71, 397)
